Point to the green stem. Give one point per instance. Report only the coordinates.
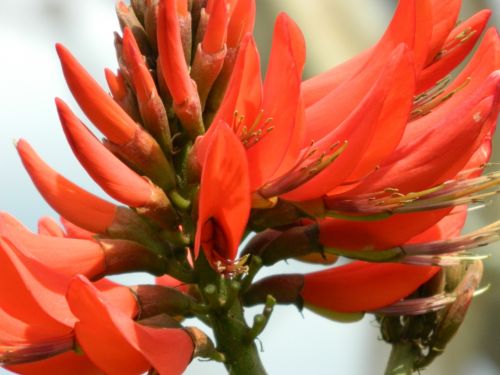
(228, 324)
(231, 334)
(402, 359)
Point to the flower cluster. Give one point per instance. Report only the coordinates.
(374, 160)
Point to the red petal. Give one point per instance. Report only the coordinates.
(118, 180)
(280, 102)
(241, 23)
(224, 197)
(360, 286)
(99, 107)
(172, 60)
(215, 33)
(33, 293)
(364, 124)
(444, 16)
(401, 30)
(84, 257)
(243, 97)
(376, 235)
(72, 202)
(117, 344)
(116, 84)
(457, 126)
(74, 231)
(448, 227)
(451, 58)
(49, 227)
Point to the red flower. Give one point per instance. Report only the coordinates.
(373, 160)
(117, 344)
(224, 203)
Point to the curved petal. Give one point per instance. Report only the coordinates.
(33, 293)
(444, 16)
(458, 45)
(425, 157)
(360, 286)
(75, 204)
(376, 235)
(117, 344)
(98, 106)
(224, 200)
(400, 30)
(243, 96)
(74, 231)
(84, 256)
(49, 227)
(117, 179)
(448, 227)
(279, 134)
(366, 121)
(172, 60)
(241, 22)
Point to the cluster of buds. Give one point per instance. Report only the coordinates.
(373, 161)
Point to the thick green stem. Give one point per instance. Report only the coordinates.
(402, 359)
(226, 316)
(231, 333)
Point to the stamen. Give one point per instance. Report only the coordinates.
(418, 306)
(460, 38)
(425, 103)
(449, 194)
(308, 166)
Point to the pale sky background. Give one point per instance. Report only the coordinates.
(30, 77)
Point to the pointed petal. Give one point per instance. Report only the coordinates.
(118, 180)
(241, 22)
(33, 293)
(401, 30)
(415, 165)
(117, 344)
(448, 227)
(49, 227)
(376, 235)
(172, 61)
(243, 97)
(85, 257)
(360, 286)
(458, 45)
(99, 107)
(74, 231)
(224, 200)
(75, 204)
(365, 123)
(216, 31)
(280, 102)
(444, 16)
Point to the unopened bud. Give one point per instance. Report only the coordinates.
(155, 299)
(285, 289)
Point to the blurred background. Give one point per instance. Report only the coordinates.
(294, 342)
